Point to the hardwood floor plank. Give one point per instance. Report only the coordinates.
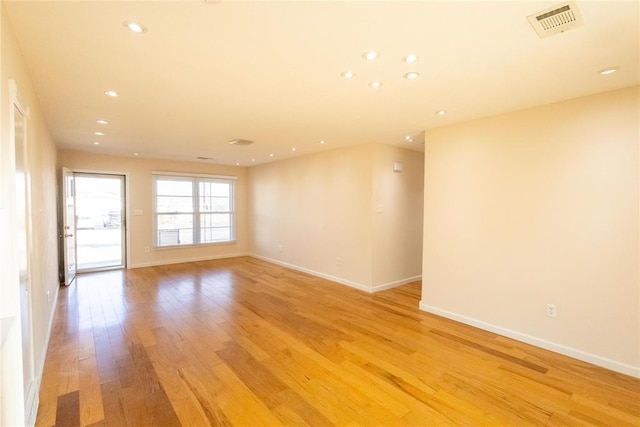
(205, 398)
(491, 351)
(114, 413)
(239, 403)
(91, 409)
(244, 342)
(68, 410)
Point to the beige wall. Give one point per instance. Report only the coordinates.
(140, 192)
(41, 160)
(310, 211)
(535, 207)
(397, 230)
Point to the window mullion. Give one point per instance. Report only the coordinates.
(196, 213)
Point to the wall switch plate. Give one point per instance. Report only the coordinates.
(551, 310)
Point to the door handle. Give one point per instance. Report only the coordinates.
(68, 235)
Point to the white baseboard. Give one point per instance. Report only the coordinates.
(360, 286)
(183, 260)
(385, 286)
(33, 399)
(604, 362)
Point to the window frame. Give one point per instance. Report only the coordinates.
(195, 180)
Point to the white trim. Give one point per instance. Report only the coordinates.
(29, 390)
(183, 260)
(336, 279)
(31, 416)
(127, 204)
(127, 214)
(360, 286)
(623, 368)
(194, 175)
(97, 172)
(390, 285)
(194, 179)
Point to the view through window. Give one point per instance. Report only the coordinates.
(191, 210)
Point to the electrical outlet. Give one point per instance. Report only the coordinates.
(339, 261)
(147, 250)
(551, 310)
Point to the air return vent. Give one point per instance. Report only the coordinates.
(239, 141)
(557, 19)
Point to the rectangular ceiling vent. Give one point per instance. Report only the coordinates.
(239, 141)
(557, 19)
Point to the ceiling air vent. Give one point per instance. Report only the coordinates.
(557, 19)
(239, 141)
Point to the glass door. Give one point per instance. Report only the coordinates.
(100, 221)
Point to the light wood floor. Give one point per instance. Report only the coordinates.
(244, 342)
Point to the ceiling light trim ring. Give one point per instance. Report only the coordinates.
(135, 27)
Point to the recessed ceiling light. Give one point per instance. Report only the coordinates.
(102, 121)
(96, 143)
(411, 76)
(271, 155)
(253, 160)
(441, 112)
(410, 59)
(135, 27)
(237, 163)
(98, 133)
(293, 148)
(375, 84)
(136, 154)
(322, 142)
(348, 75)
(609, 70)
(111, 93)
(408, 138)
(370, 56)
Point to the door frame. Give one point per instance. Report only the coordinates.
(127, 214)
(68, 187)
(27, 393)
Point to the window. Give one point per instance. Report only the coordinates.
(193, 209)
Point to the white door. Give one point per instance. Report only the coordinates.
(22, 255)
(69, 225)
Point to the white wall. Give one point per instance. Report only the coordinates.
(535, 207)
(140, 197)
(312, 210)
(41, 160)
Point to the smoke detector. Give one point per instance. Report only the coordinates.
(239, 141)
(557, 19)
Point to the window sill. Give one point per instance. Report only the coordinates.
(197, 245)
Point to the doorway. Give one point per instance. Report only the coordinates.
(18, 118)
(99, 221)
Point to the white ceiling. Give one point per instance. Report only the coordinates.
(209, 72)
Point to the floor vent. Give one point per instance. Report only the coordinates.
(557, 19)
(241, 142)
